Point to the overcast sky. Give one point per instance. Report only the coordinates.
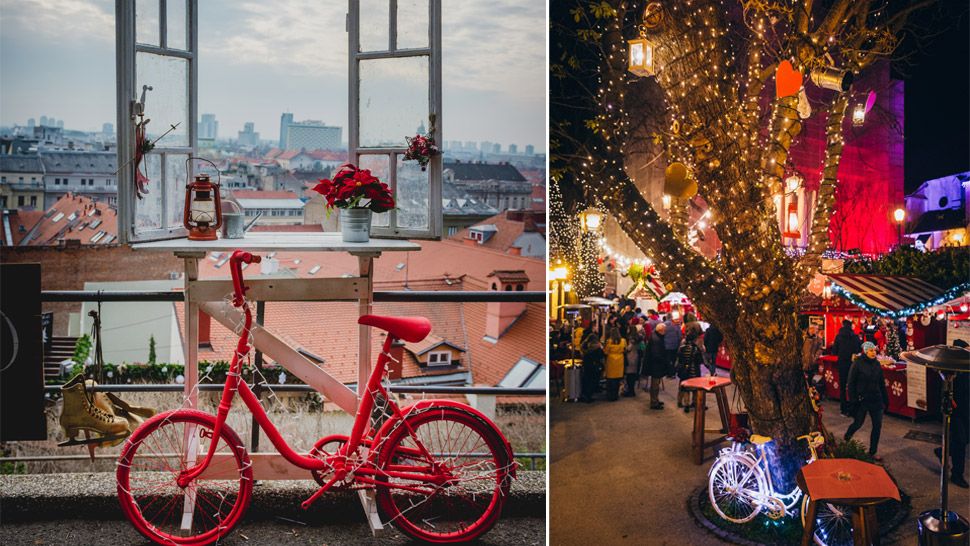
(258, 59)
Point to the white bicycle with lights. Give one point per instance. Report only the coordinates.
(740, 487)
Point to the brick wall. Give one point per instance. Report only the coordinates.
(70, 268)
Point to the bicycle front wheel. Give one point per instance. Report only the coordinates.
(735, 489)
(833, 523)
(469, 459)
(150, 463)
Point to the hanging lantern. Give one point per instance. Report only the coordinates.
(566, 287)
(859, 115)
(591, 219)
(899, 215)
(666, 201)
(202, 215)
(792, 183)
(832, 78)
(641, 57)
(791, 222)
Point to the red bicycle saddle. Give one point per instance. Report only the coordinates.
(412, 329)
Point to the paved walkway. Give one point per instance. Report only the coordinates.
(620, 473)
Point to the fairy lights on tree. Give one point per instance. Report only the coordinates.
(731, 76)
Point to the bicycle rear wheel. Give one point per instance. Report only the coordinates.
(472, 456)
(149, 466)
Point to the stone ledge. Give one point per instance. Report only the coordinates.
(39, 497)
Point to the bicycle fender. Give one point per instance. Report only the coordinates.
(426, 405)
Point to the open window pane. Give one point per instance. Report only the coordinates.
(175, 187)
(393, 100)
(374, 25)
(167, 103)
(146, 22)
(175, 29)
(412, 195)
(412, 23)
(379, 166)
(148, 210)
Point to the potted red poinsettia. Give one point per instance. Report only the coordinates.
(358, 194)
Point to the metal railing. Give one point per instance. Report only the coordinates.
(404, 296)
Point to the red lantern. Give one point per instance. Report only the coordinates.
(202, 215)
(791, 221)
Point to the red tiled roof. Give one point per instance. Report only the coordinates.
(74, 217)
(507, 230)
(526, 337)
(328, 155)
(20, 223)
(273, 153)
(289, 154)
(330, 331)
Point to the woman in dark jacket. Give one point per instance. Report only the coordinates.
(847, 345)
(689, 361)
(867, 391)
(656, 365)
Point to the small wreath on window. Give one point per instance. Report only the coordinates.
(422, 148)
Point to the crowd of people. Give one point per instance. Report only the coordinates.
(632, 349)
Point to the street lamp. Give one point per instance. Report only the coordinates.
(899, 215)
(591, 219)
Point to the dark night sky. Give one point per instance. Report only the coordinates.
(937, 124)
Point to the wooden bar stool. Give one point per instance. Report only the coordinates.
(848, 483)
(702, 386)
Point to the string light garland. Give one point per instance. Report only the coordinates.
(950, 294)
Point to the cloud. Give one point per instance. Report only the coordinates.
(60, 21)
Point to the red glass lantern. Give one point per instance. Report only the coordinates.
(791, 222)
(202, 215)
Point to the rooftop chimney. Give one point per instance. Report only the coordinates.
(501, 315)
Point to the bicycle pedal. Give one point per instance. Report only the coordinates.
(316, 495)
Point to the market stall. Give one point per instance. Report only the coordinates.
(914, 310)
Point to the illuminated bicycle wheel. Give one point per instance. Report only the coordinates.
(833, 523)
(735, 488)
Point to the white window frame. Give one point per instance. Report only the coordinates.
(433, 52)
(126, 48)
(440, 362)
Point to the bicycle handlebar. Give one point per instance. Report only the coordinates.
(238, 258)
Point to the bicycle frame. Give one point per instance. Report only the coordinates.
(336, 462)
(791, 498)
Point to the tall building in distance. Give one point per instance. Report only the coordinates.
(309, 135)
(285, 120)
(208, 127)
(107, 128)
(248, 137)
(530, 149)
(513, 149)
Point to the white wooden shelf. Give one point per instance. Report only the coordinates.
(270, 241)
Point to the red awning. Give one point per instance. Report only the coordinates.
(889, 293)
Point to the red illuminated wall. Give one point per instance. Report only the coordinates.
(871, 172)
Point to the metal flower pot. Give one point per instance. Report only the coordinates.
(355, 225)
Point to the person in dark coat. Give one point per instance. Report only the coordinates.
(593, 359)
(712, 343)
(867, 392)
(657, 364)
(847, 345)
(689, 361)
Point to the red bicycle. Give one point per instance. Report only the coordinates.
(440, 470)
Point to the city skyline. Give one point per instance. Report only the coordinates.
(493, 90)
